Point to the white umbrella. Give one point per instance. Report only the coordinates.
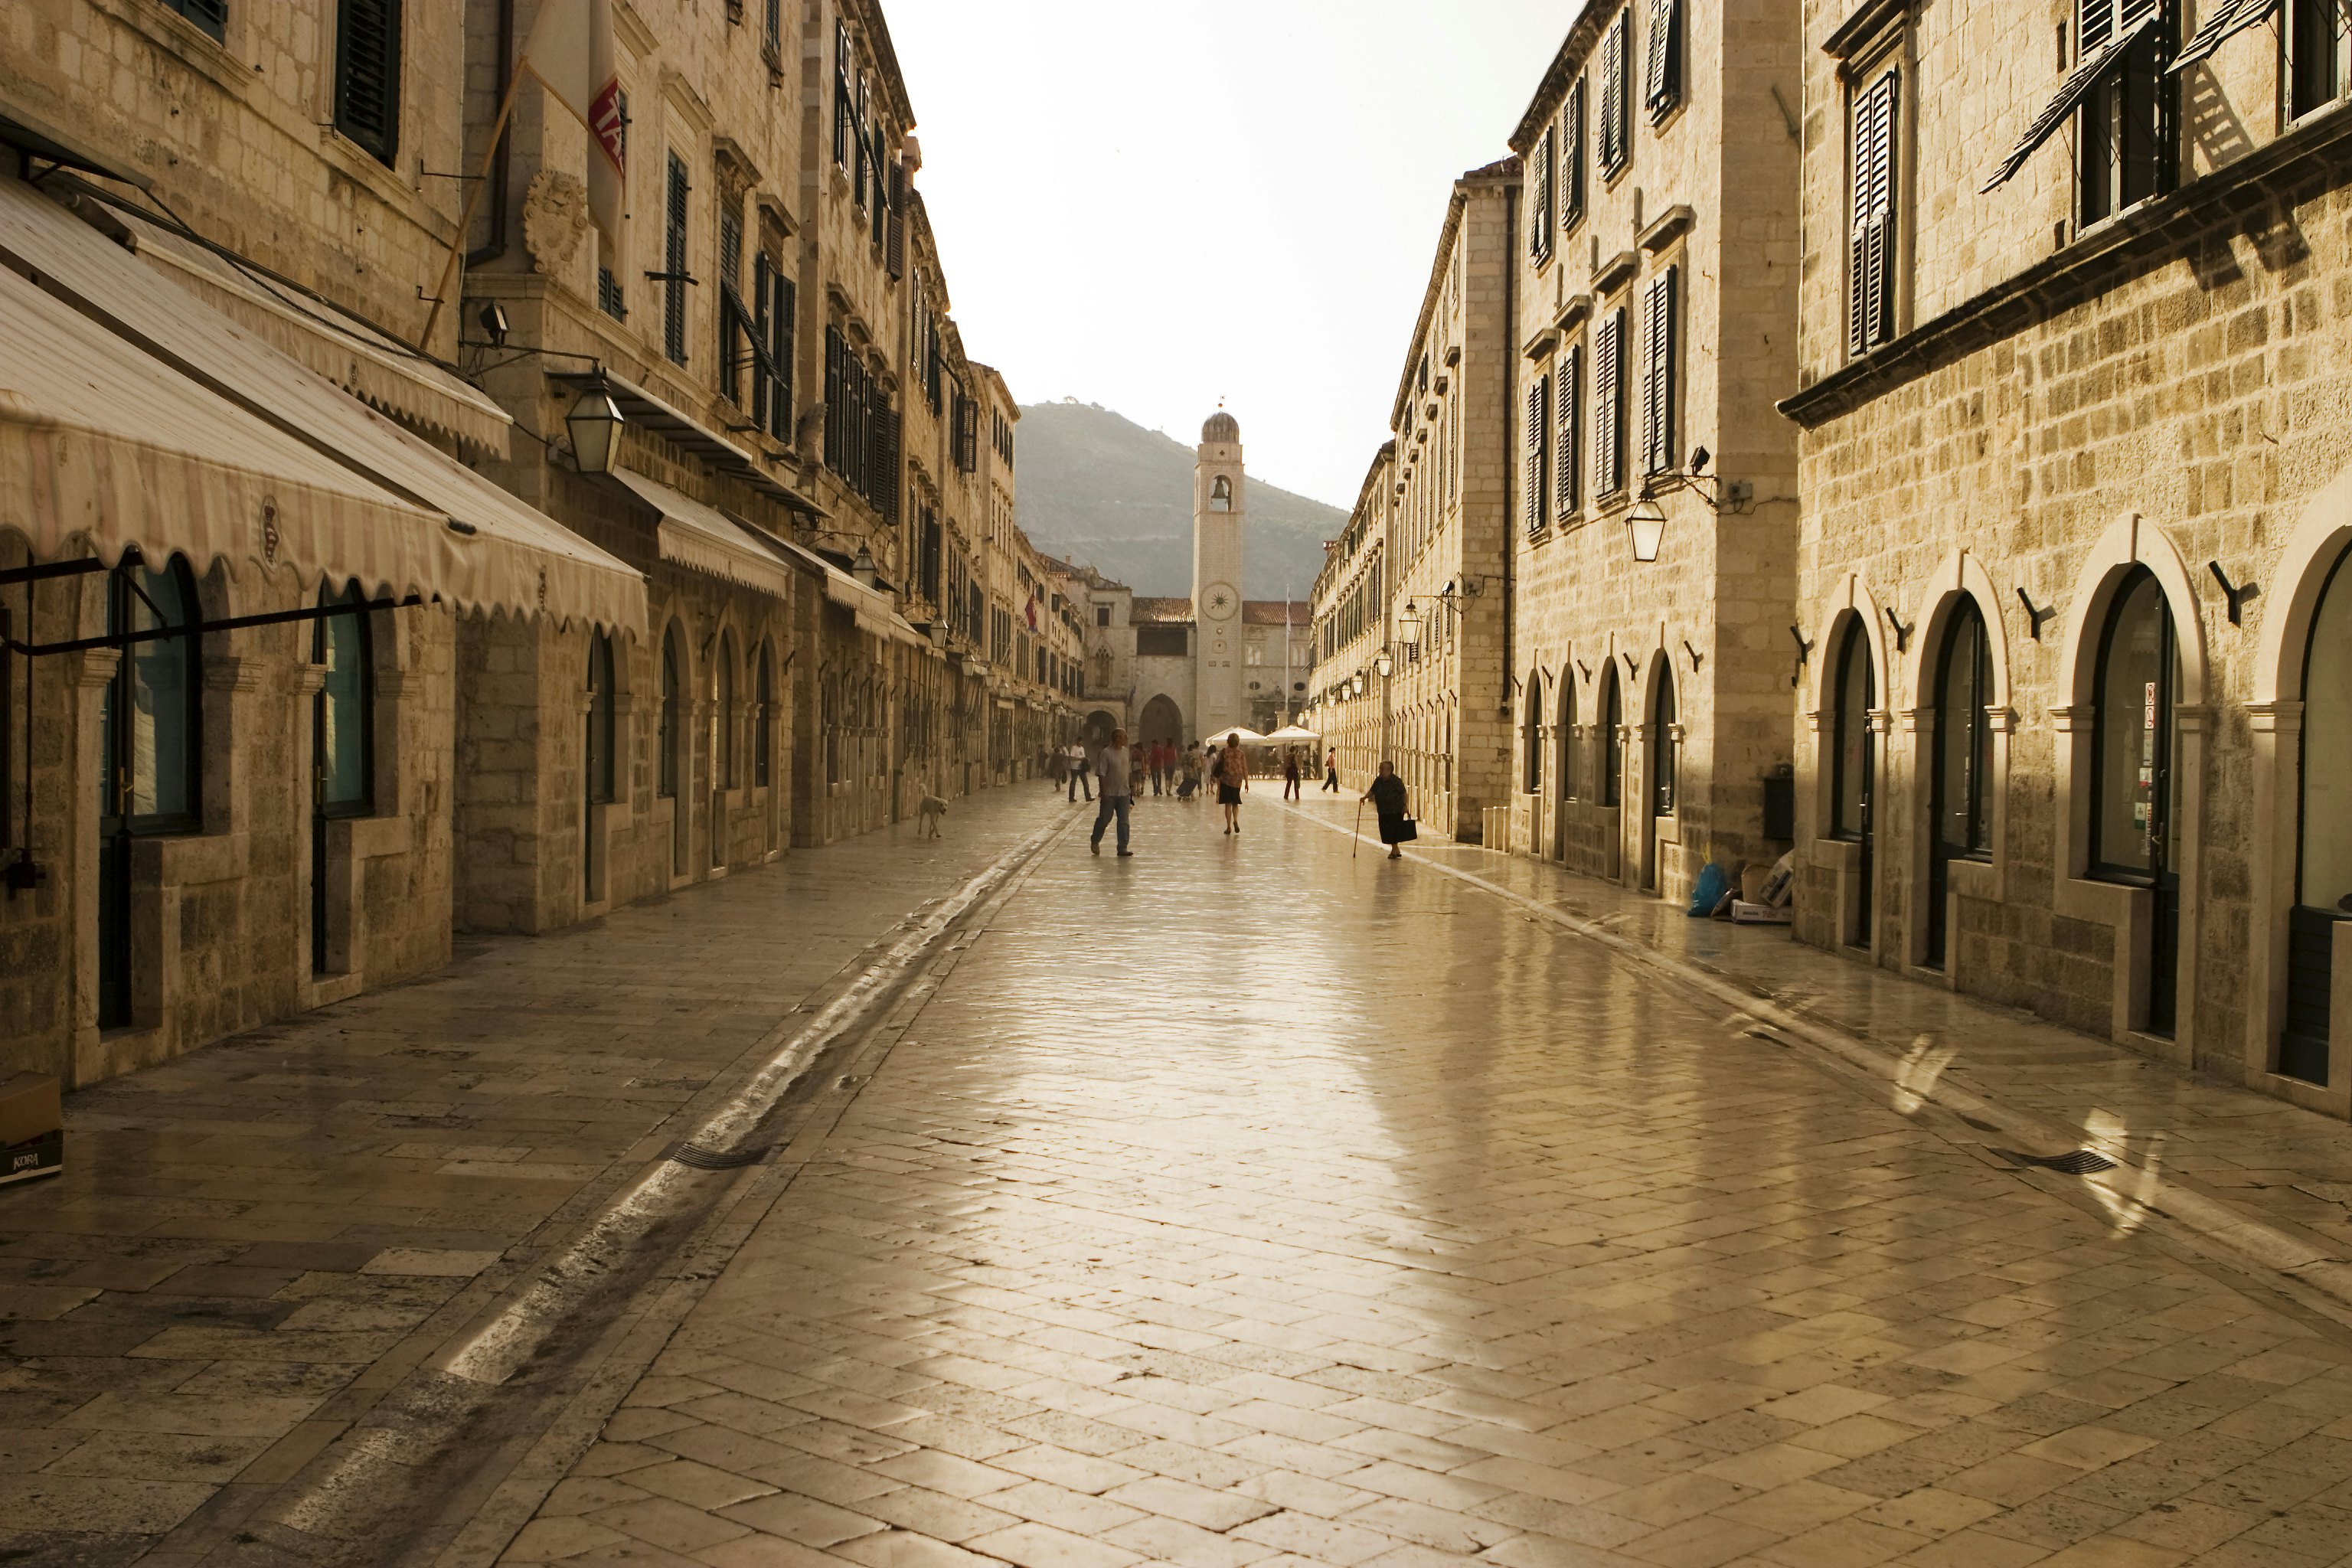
(1291, 733)
(1249, 737)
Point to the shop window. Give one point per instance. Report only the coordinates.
(1531, 736)
(150, 746)
(1564, 734)
(2135, 789)
(1666, 752)
(343, 711)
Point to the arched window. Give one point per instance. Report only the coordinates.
(1221, 494)
(1960, 779)
(671, 695)
(1665, 755)
(1853, 757)
(151, 751)
(2134, 781)
(764, 738)
(1564, 734)
(2322, 885)
(1531, 742)
(1613, 719)
(723, 713)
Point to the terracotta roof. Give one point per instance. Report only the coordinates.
(1164, 612)
(1271, 612)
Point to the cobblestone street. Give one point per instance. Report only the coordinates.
(1247, 1203)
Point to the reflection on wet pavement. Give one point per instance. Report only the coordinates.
(1246, 1204)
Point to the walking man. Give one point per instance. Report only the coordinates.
(1111, 767)
(1290, 772)
(1331, 771)
(1232, 777)
(1078, 779)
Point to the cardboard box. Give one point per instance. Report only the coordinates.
(1747, 914)
(32, 1127)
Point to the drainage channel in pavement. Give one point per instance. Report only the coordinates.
(452, 1444)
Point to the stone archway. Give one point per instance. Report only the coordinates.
(1099, 725)
(1161, 720)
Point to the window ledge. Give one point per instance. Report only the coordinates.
(1613, 272)
(1668, 225)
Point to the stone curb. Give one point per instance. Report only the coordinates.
(2249, 1244)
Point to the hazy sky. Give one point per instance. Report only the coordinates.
(1152, 203)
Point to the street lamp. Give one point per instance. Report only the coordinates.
(862, 568)
(1646, 523)
(1408, 627)
(1383, 667)
(595, 424)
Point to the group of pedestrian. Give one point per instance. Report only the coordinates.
(1117, 773)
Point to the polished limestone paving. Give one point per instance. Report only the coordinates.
(1252, 1202)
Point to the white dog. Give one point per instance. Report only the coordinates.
(927, 812)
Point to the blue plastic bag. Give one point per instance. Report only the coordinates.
(1712, 884)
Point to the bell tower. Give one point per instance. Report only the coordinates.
(1219, 499)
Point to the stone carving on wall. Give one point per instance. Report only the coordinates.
(554, 219)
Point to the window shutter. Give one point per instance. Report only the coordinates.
(761, 386)
(1608, 400)
(2094, 24)
(1538, 431)
(782, 304)
(1871, 315)
(674, 265)
(367, 75)
(1539, 201)
(897, 219)
(1658, 375)
(1571, 158)
(1568, 381)
(882, 474)
(1662, 74)
(1613, 94)
(833, 409)
(841, 105)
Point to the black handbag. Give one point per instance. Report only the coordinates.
(1407, 830)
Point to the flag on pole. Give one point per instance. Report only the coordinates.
(570, 50)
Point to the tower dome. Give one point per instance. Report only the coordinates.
(1221, 426)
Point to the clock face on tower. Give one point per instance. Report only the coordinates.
(1218, 601)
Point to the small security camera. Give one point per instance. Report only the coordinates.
(1698, 457)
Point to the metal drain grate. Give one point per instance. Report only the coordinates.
(703, 1159)
(2074, 1163)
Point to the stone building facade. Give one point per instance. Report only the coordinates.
(1350, 704)
(499, 681)
(1449, 583)
(1655, 281)
(2075, 514)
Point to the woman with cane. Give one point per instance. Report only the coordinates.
(1389, 803)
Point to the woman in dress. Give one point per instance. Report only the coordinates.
(1390, 801)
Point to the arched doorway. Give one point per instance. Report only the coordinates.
(1099, 726)
(2135, 774)
(1162, 721)
(1854, 766)
(1665, 764)
(1563, 740)
(2323, 860)
(1961, 777)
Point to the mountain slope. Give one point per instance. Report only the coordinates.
(1102, 489)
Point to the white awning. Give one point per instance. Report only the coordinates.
(698, 535)
(106, 449)
(357, 359)
(492, 552)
